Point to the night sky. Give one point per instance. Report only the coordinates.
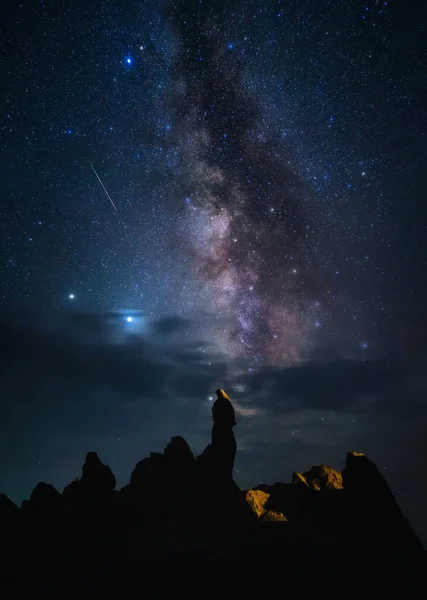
(202, 194)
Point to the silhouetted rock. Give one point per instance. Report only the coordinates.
(222, 411)
(175, 466)
(97, 480)
(164, 482)
(180, 515)
(218, 494)
(73, 489)
(97, 476)
(373, 503)
(8, 509)
(44, 499)
(361, 477)
(217, 461)
(289, 499)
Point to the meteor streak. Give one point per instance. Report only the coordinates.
(103, 186)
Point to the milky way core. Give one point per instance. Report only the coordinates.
(243, 219)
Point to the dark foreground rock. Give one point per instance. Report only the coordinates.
(183, 528)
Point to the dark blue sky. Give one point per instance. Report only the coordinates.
(267, 164)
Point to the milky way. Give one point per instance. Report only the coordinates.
(283, 126)
(244, 221)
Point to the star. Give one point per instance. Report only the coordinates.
(71, 296)
(129, 319)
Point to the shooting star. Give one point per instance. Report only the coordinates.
(103, 186)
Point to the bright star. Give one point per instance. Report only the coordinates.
(71, 296)
(128, 60)
(129, 319)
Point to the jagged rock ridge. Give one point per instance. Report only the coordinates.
(179, 511)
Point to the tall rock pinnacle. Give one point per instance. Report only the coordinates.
(223, 441)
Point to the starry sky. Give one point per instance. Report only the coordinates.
(203, 194)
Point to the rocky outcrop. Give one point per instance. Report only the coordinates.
(97, 480)
(372, 502)
(164, 482)
(257, 499)
(320, 478)
(179, 513)
(96, 476)
(8, 509)
(362, 478)
(44, 499)
(176, 466)
(223, 445)
(217, 492)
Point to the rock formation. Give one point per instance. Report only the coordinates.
(223, 441)
(97, 476)
(8, 510)
(97, 479)
(320, 478)
(181, 515)
(44, 499)
(164, 482)
(257, 499)
(217, 461)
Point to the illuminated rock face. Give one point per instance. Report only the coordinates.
(257, 500)
(321, 478)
